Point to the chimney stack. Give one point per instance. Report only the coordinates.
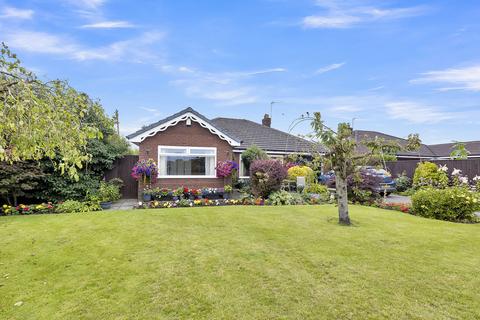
(267, 121)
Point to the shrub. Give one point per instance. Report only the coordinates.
(71, 206)
(428, 174)
(451, 204)
(251, 154)
(360, 185)
(266, 176)
(362, 196)
(316, 188)
(403, 182)
(301, 171)
(109, 192)
(282, 197)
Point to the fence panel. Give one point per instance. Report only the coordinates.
(469, 167)
(121, 169)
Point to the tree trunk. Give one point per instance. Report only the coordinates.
(342, 195)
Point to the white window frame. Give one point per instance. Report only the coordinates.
(240, 169)
(186, 154)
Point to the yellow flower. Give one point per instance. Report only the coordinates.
(5, 206)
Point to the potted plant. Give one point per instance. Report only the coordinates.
(147, 194)
(165, 193)
(227, 190)
(177, 193)
(107, 193)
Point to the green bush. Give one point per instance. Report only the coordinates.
(427, 174)
(451, 204)
(71, 206)
(403, 182)
(282, 197)
(301, 171)
(251, 154)
(316, 188)
(108, 192)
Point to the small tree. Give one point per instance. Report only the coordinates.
(341, 155)
(459, 151)
(414, 144)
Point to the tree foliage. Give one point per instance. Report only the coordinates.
(459, 151)
(19, 179)
(42, 119)
(251, 154)
(104, 151)
(341, 156)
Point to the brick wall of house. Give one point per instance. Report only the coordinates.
(188, 136)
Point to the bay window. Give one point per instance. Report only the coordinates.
(186, 162)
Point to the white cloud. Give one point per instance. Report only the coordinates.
(15, 13)
(108, 25)
(467, 78)
(225, 88)
(134, 50)
(418, 113)
(88, 4)
(40, 42)
(346, 109)
(330, 67)
(329, 22)
(346, 14)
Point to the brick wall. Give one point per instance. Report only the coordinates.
(188, 136)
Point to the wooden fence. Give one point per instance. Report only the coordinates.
(122, 169)
(469, 167)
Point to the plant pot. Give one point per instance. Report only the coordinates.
(106, 205)
(147, 197)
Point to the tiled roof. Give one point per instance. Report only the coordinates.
(444, 149)
(252, 133)
(363, 135)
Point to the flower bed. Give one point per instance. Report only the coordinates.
(402, 207)
(205, 202)
(22, 209)
(166, 194)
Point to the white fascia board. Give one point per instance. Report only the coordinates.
(184, 117)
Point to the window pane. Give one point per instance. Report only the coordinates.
(186, 166)
(202, 151)
(173, 150)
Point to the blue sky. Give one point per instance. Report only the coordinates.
(397, 66)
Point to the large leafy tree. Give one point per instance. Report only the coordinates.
(42, 118)
(103, 152)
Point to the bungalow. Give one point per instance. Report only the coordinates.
(187, 146)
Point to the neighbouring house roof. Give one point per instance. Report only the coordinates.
(183, 115)
(363, 135)
(444, 149)
(267, 138)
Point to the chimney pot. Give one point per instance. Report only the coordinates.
(267, 121)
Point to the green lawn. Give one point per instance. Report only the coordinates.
(238, 263)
